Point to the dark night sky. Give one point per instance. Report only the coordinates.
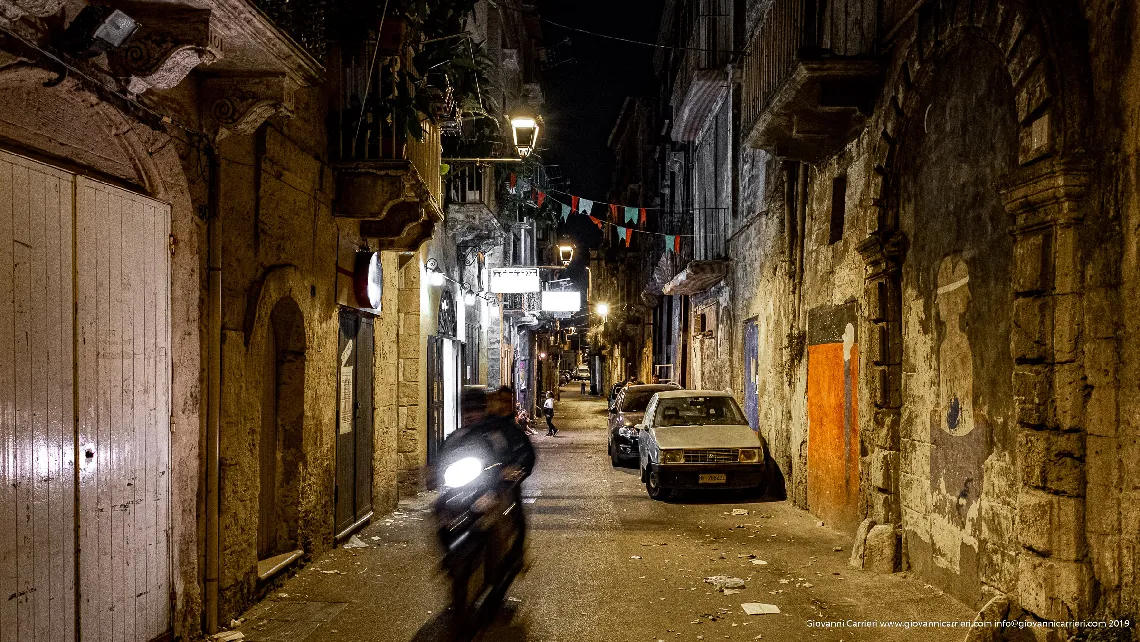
(585, 83)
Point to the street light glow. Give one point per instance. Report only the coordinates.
(525, 131)
(603, 309)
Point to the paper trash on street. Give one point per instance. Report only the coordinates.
(756, 608)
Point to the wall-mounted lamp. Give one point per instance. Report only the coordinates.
(436, 276)
(603, 309)
(525, 131)
(565, 254)
(96, 30)
(468, 297)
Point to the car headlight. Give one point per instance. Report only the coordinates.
(462, 472)
(749, 454)
(627, 431)
(673, 456)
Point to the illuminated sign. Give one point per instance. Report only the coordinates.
(515, 280)
(561, 301)
(368, 280)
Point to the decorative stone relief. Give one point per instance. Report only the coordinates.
(168, 45)
(238, 105)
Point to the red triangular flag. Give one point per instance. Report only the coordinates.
(513, 181)
(642, 218)
(614, 213)
(628, 236)
(597, 221)
(574, 203)
(541, 198)
(677, 244)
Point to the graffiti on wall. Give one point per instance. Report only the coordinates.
(833, 417)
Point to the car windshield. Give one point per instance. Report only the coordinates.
(689, 411)
(636, 401)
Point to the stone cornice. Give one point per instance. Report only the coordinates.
(1051, 181)
(244, 20)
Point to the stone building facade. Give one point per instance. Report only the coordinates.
(202, 223)
(926, 299)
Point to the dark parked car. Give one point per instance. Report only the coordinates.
(627, 411)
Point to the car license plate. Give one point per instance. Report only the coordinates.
(712, 479)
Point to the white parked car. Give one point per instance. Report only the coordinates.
(699, 439)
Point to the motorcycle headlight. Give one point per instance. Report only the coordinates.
(627, 431)
(749, 454)
(674, 456)
(462, 472)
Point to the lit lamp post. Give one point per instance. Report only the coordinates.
(565, 254)
(525, 132)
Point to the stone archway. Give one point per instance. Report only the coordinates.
(280, 446)
(1041, 191)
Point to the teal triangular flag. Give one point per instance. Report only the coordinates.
(631, 215)
(585, 205)
(565, 212)
(621, 232)
(670, 239)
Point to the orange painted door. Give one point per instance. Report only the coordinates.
(833, 417)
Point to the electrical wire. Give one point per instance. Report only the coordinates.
(607, 36)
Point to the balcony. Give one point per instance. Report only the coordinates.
(811, 77)
(386, 178)
(471, 204)
(701, 82)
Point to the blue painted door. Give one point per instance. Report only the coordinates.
(751, 373)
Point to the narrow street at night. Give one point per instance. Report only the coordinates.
(607, 564)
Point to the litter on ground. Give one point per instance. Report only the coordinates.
(756, 608)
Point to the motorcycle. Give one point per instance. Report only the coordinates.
(479, 511)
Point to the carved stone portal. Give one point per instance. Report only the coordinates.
(169, 44)
(239, 104)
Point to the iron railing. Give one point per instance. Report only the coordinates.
(708, 25)
(794, 30)
(362, 128)
(472, 184)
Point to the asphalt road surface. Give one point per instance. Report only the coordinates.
(608, 564)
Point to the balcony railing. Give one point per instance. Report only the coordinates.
(362, 128)
(472, 185)
(806, 58)
(709, 42)
(773, 52)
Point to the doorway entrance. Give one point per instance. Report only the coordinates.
(751, 373)
(282, 429)
(354, 424)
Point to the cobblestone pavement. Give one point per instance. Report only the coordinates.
(607, 563)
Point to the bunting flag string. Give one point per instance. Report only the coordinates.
(623, 233)
(628, 236)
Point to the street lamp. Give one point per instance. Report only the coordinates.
(604, 310)
(565, 254)
(435, 275)
(525, 131)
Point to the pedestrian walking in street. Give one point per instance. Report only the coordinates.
(548, 411)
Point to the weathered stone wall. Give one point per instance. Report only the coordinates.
(991, 272)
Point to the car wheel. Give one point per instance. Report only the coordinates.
(653, 487)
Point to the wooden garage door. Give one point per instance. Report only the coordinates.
(37, 416)
(84, 408)
(123, 389)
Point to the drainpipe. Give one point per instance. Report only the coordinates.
(801, 229)
(213, 393)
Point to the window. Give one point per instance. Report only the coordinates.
(692, 411)
(838, 207)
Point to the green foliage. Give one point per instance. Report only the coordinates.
(529, 176)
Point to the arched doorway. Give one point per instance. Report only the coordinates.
(957, 300)
(282, 429)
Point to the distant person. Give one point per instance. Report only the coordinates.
(548, 412)
(583, 388)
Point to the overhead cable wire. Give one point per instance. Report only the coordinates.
(607, 36)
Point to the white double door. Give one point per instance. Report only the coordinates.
(84, 408)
